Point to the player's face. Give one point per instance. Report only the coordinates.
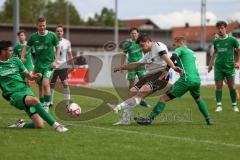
(145, 46)
(22, 37)
(41, 27)
(221, 30)
(134, 35)
(59, 32)
(8, 53)
(176, 44)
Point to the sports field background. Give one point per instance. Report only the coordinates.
(175, 137)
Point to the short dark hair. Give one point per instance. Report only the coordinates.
(5, 44)
(21, 31)
(41, 19)
(59, 26)
(180, 38)
(221, 23)
(143, 38)
(133, 29)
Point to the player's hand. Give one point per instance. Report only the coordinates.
(209, 68)
(35, 76)
(116, 69)
(54, 64)
(23, 60)
(164, 75)
(178, 70)
(237, 65)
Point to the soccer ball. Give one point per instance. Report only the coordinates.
(74, 109)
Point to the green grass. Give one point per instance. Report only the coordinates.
(181, 133)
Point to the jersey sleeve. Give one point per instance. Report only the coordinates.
(30, 41)
(235, 43)
(22, 68)
(161, 49)
(178, 52)
(55, 40)
(126, 46)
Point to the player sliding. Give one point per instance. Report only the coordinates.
(224, 66)
(17, 92)
(188, 81)
(156, 60)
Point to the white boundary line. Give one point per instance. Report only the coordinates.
(186, 139)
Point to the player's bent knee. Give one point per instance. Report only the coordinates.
(39, 125)
(133, 89)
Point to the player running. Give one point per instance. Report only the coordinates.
(43, 42)
(156, 60)
(17, 92)
(188, 81)
(61, 70)
(224, 66)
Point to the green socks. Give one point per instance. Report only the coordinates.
(41, 100)
(156, 110)
(233, 95)
(218, 94)
(45, 116)
(203, 108)
(29, 125)
(47, 98)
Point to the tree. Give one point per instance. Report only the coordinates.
(53, 11)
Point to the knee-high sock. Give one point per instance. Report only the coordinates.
(127, 114)
(157, 110)
(45, 116)
(130, 103)
(218, 94)
(66, 92)
(203, 108)
(47, 99)
(29, 125)
(233, 95)
(52, 95)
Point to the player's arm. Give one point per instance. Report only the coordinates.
(57, 54)
(23, 54)
(170, 62)
(32, 76)
(123, 58)
(128, 66)
(237, 64)
(210, 65)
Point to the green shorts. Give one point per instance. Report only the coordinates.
(46, 73)
(180, 87)
(139, 72)
(17, 99)
(220, 73)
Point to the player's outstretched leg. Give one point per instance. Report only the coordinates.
(203, 109)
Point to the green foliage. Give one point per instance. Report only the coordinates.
(55, 13)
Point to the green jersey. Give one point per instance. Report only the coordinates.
(224, 49)
(133, 51)
(187, 61)
(17, 53)
(11, 80)
(44, 48)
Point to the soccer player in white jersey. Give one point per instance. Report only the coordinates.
(61, 70)
(157, 63)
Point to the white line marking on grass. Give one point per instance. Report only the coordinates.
(160, 136)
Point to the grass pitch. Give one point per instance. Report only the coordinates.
(180, 133)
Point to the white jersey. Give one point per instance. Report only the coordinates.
(65, 46)
(153, 60)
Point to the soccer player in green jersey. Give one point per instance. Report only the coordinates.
(18, 50)
(188, 81)
(17, 92)
(133, 53)
(224, 66)
(43, 42)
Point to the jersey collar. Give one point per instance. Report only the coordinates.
(46, 32)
